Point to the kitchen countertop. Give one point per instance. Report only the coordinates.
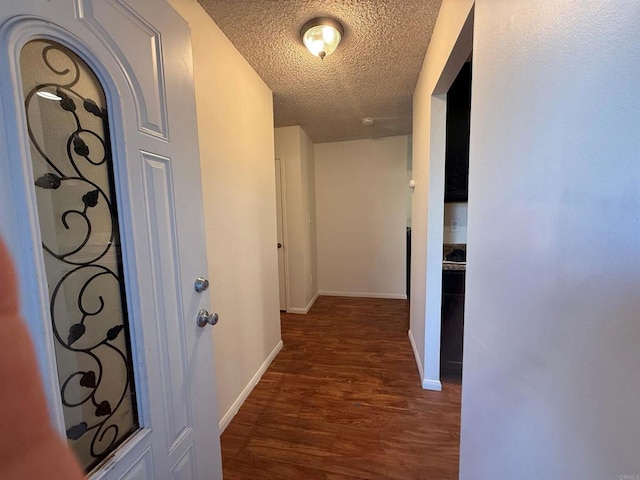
(459, 266)
(447, 249)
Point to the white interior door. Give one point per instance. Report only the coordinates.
(281, 243)
(106, 227)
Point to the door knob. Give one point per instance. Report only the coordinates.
(206, 318)
(201, 284)
(279, 245)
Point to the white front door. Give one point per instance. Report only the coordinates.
(101, 206)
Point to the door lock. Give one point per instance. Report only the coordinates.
(201, 284)
(205, 318)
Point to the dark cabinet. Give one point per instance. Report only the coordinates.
(456, 175)
(452, 329)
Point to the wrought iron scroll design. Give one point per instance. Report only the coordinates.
(91, 264)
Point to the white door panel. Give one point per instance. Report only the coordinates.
(117, 25)
(141, 53)
(281, 226)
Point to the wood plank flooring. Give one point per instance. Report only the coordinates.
(342, 400)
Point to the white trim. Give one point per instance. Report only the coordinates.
(434, 385)
(394, 296)
(305, 310)
(226, 419)
(415, 354)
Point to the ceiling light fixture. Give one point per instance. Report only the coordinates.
(322, 35)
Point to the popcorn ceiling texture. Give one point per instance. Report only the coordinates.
(372, 73)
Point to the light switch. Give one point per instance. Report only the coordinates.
(455, 225)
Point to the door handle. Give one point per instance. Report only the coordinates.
(205, 318)
(279, 245)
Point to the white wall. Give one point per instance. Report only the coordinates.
(361, 206)
(295, 150)
(449, 48)
(551, 363)
(235, 122)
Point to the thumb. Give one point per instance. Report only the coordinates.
(8, 283)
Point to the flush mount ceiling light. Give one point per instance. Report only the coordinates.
(321, 35)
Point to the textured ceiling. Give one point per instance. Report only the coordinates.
(372, 73)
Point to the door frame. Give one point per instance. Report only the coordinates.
(430, 369)
(285, 242)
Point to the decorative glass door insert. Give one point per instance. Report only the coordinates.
(74, 182)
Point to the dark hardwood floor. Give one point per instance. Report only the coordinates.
(342, 400)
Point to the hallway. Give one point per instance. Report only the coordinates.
(342, 400)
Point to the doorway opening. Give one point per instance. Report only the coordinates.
(454, 251)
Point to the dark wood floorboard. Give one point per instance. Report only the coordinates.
(342, 400)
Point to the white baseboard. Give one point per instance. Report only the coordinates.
(306, 309)
(226, 419)
(395, 296)
(426, 383)
(415, 354)
(432, 385)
